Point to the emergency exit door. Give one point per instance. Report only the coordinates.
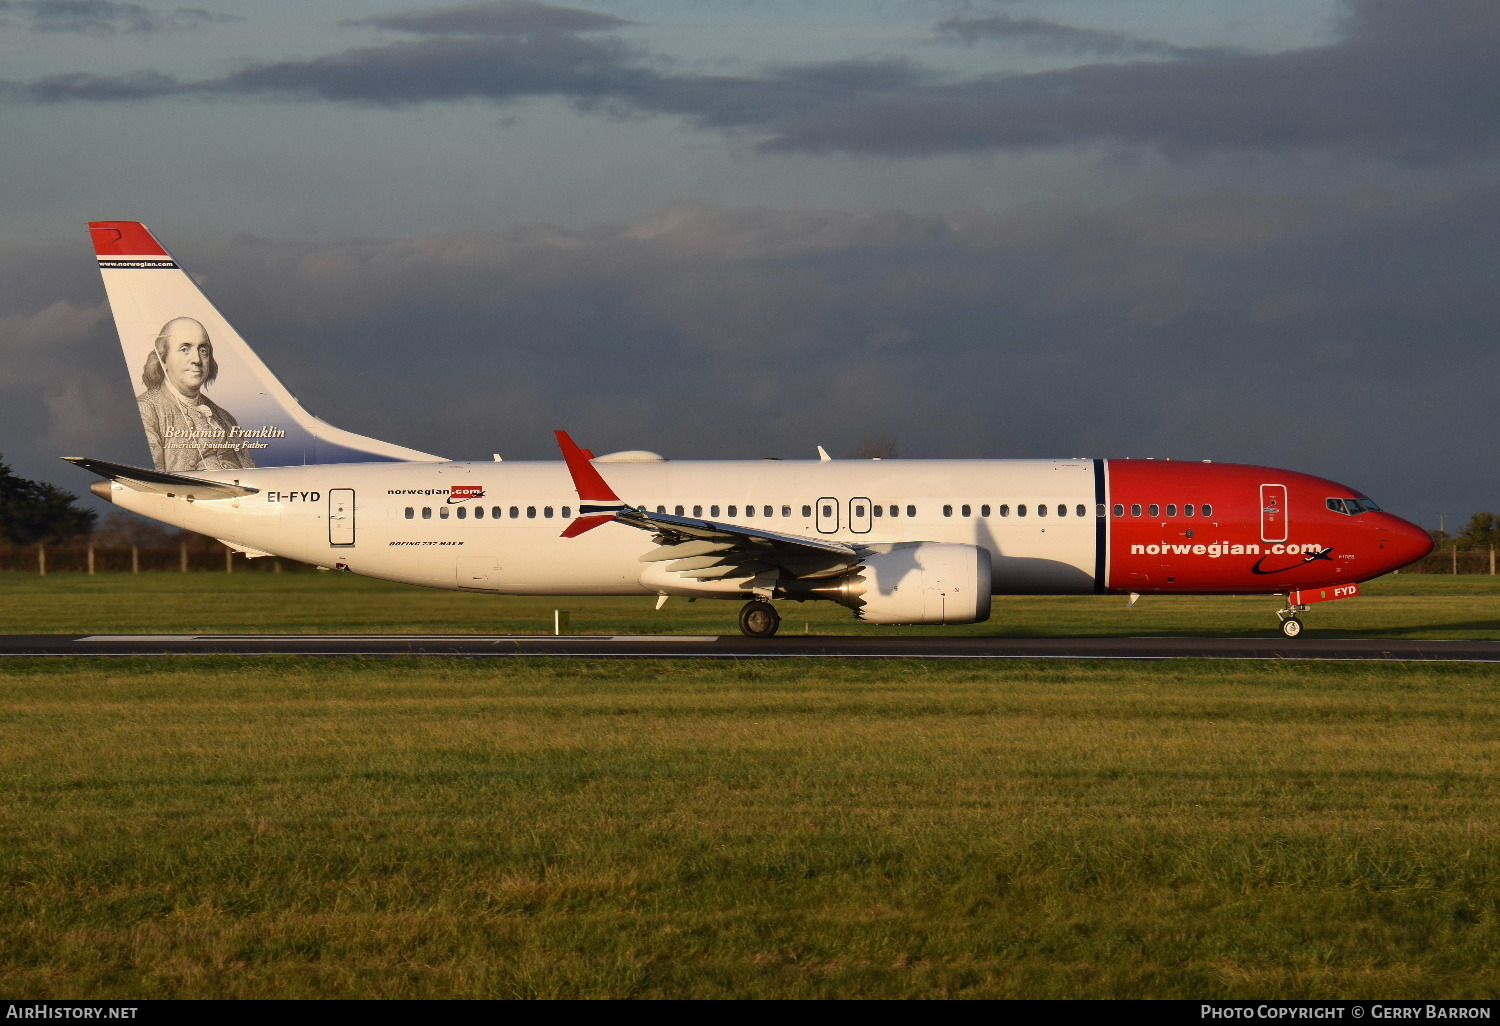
(859, 516)
(1273, 513)
(341, 516)
(828, 514)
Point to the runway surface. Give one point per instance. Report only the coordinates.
(711, 647)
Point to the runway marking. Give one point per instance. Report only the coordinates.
(642, 638)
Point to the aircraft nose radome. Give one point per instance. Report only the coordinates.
(1408, 543)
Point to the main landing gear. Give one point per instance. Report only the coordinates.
(1291, 627)
(759, 619)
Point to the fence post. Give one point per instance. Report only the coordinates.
(1492, 561)
(228, 560)
(1455, 559)
(41, 560)
(91, 557)
(182, 555)
(135, 559)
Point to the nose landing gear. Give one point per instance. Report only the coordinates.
(759, 619)
(1291, 626)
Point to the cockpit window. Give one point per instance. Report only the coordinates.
(1352, 507)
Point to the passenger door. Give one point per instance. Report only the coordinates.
(1273, 513)
(341, 517)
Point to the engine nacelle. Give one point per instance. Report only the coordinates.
(917, 582)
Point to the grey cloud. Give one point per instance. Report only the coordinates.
(496, 18)
(107, 17)
(1413, 82)
(1041, 34)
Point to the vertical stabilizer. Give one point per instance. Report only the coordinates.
(207, 402)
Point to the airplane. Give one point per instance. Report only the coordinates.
(235, 456)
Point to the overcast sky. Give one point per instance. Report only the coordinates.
(1239, 230)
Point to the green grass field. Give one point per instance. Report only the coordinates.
(285, 827)
(1401, 606)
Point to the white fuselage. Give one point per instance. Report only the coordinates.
(427, 524)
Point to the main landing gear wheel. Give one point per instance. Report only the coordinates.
(759, 620)
(1291, 627)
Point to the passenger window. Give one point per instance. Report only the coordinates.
(1155, 510)
(410, 513)
(749, 511)
(713, 511)
(443, 512)
(807, 511)
(1062, 510)
(967, 510)
(567, 511)
(734, 511)
(661, 509)
(1041, 509)
(463, 513)
(1005, 509)
(679, 510)
(1021, 510)
(769, 511)
(1187, 510)
(879, 511)
(1135, 509)
(947, 511)
(1119, 510)
(859, 510)
(1083, 511)
(984, 511)
(426, 512)
(547, 512)
(496, 512)
(1208, 510)
(478, 512)
(530, 512)
(895, 511)
(911, 511)
(786, 511)
(697, 511)
(1171, 509)
(828, 511)
(515, 512)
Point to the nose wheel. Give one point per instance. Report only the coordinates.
(1291, 626)
(759, 620)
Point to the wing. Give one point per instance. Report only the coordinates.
(701, 550)
(708, 550)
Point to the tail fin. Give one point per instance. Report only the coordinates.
(207, 401)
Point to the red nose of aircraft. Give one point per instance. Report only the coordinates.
(1402, 542)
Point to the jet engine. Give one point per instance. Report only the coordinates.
(917, 582)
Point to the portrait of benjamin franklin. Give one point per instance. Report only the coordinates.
(185, 428)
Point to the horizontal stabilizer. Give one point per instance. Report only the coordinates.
(160, 482)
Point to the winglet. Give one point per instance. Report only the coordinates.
(591, 488)
(586, 477)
